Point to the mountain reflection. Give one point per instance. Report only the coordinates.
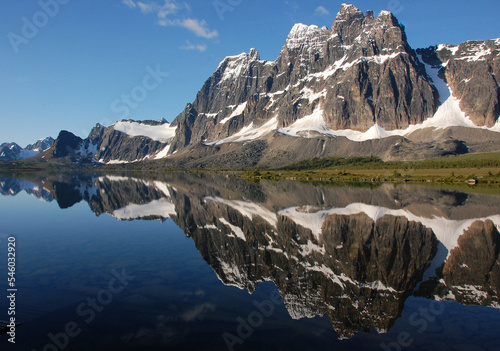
(354, 254)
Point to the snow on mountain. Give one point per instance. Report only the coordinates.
(162, 208)
(41, 144)
(447, 231)
(249, 133)
(358, 81)
(12, 151)
(309, 38)
(163, 132)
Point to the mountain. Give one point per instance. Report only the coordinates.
(123, 142)
(355, 89)
(40, 145)
(12, 151)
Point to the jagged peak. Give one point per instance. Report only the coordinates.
(233, 66)
(385, 13)
(348, 8)
(252, 55)
(301, 34)
(348, 12)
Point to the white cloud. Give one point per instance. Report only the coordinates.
(320, 10)
(168, 14)
(196, 26)
(191, 46)
(130, 3)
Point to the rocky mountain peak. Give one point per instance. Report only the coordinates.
(232, 66)
(253, 55)
(41, 144)
(348, 12)
(65, 143)
(303, 35)
(353, 28)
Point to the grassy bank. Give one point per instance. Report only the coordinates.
(478, 168)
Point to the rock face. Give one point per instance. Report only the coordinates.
(471, 70)
(471, 274)
(10, 151)
(121, 142)
(360, 73)
(41, 144)
(113, 145)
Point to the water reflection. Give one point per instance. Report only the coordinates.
(354, 254)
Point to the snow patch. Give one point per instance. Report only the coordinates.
(343, 64)
(307, 37)
(452, 48)
(247, 209)
(447, 231)
(163, 153)
(162, 133)
(249, 133)
(236, 230)
(310, 95)
(237, 112)
(162, 208)
(476, 52)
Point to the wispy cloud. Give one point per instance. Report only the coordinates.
(130, 3)
(169, 13)
(191, 46)
(321, 11)
(198, 27)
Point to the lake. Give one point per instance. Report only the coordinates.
(206, 262)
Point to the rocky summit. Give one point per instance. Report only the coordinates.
(355, 89)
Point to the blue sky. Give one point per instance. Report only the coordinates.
(69, 64)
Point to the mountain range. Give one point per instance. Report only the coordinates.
(12, 151)
(356, 89)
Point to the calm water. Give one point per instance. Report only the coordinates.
(199, 262)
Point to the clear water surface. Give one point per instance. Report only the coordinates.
(201, 262)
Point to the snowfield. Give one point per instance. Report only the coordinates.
(162, 133)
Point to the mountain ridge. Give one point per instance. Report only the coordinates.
(12, 151)
(355, 89)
